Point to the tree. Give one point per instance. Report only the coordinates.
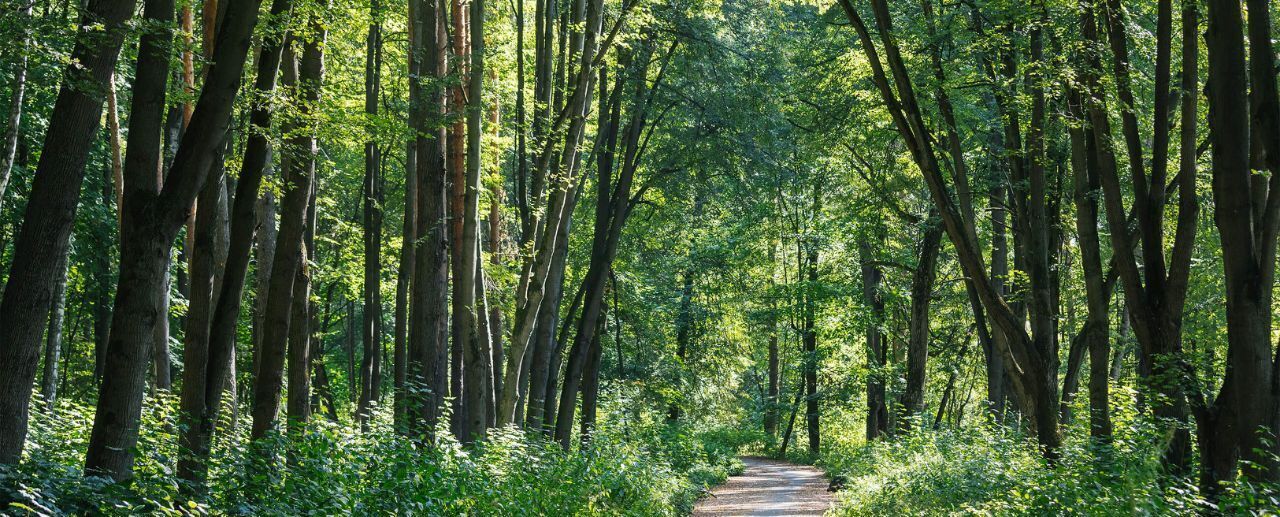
(51, 207)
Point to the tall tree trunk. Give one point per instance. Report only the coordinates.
(1239, 426)
(455, 164)
(1097, 296)
(591, 384)
(810, 332)
(13, 130)
(477, 369)
(50, 214)
(428, 323)
(1034, 375)
(369, 378)
(877, 410)
(298, 405)
(771, 397)
(403, 283)
(154, 213)
(203, 381)
(918, 341)
(53, 341)
(290, 247)
(1156, 291)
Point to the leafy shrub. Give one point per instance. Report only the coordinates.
(333, 469)
(994, 471)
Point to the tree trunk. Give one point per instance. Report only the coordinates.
(478, 368)
(53, 341)
(877, 410)
(298, 405)
(1239, 424)
(372, 225)
(289, 255)
(1097, 297)
(203, 381)
(918, 341)
(403, 283)
(13, 130)
(428, 328)
(154, 213)
(1035, 377)
(50, 214)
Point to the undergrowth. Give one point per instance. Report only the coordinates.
(333, 469)
(992, 470)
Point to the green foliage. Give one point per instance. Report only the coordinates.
(333, 469)
(994, 471)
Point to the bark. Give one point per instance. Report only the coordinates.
(289, 254)
(53, 341)
(51, 206)
(428, 340)
(370, 365)
(13, 130)
(877, 410)
(918, 341)
(203, 381)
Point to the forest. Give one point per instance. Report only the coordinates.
(599, 257)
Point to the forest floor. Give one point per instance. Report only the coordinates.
(769, 487)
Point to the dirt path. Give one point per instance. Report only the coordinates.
(769, 487)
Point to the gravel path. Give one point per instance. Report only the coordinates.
(769, 487)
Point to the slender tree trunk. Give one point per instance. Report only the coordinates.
(203, 381)
(591, 384)
(403, 283)
(1097, 298)
(877, 410)
(372, 224)
(918, 341)
(289, 255)
(478, 369)
(298, 405)
(13, 130)
(53, 341)
(154, 213)
(771, 399)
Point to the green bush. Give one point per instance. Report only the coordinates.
(994, 471)
(333, 469)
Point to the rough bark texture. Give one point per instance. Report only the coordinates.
(371, 363)
(877, 410)
(918, 340)
(289, 255)
(428, 323)
(203, 381)
(51, 208)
